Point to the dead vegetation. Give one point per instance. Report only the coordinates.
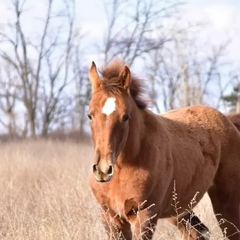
(45, 194)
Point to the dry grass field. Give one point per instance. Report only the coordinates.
(45, 194)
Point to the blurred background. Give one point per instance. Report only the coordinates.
(185, 51)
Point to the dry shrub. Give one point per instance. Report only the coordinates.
(45, 194)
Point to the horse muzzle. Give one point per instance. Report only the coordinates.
(103, 168)
(103, 174)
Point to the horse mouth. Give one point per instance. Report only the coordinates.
(103, 178)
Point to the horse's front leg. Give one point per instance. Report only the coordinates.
(116, 228)
(143, 224)
(190, 226)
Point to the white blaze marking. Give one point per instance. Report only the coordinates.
(109, 106)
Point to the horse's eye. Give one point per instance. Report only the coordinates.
(89, 116)
(125, 117)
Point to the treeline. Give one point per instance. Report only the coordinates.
(44, 86)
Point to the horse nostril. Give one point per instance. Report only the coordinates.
(110, 170)
(94, 167)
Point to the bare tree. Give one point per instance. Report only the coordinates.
(182, 75)
(83, 91)
(180, 72)
(57, 63)
(131, 28)
(8, 100)
(43, 65)
(232, 100)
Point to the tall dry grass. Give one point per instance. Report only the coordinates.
(45, 194)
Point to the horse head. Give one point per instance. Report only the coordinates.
(109, 112)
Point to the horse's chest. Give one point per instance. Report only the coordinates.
(122, 202)
(126, 195)
(125, 192)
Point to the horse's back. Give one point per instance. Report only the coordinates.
(208, 123)
(202, 125)
(225, 127)
(198, 116)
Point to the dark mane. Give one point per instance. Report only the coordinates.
(111, 83)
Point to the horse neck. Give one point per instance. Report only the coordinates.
(143, 125)
(135, 136)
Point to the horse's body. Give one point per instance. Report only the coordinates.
(143, 161)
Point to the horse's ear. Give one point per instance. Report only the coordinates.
(125, 77)
(94, 78)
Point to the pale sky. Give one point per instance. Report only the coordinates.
(222, 15)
